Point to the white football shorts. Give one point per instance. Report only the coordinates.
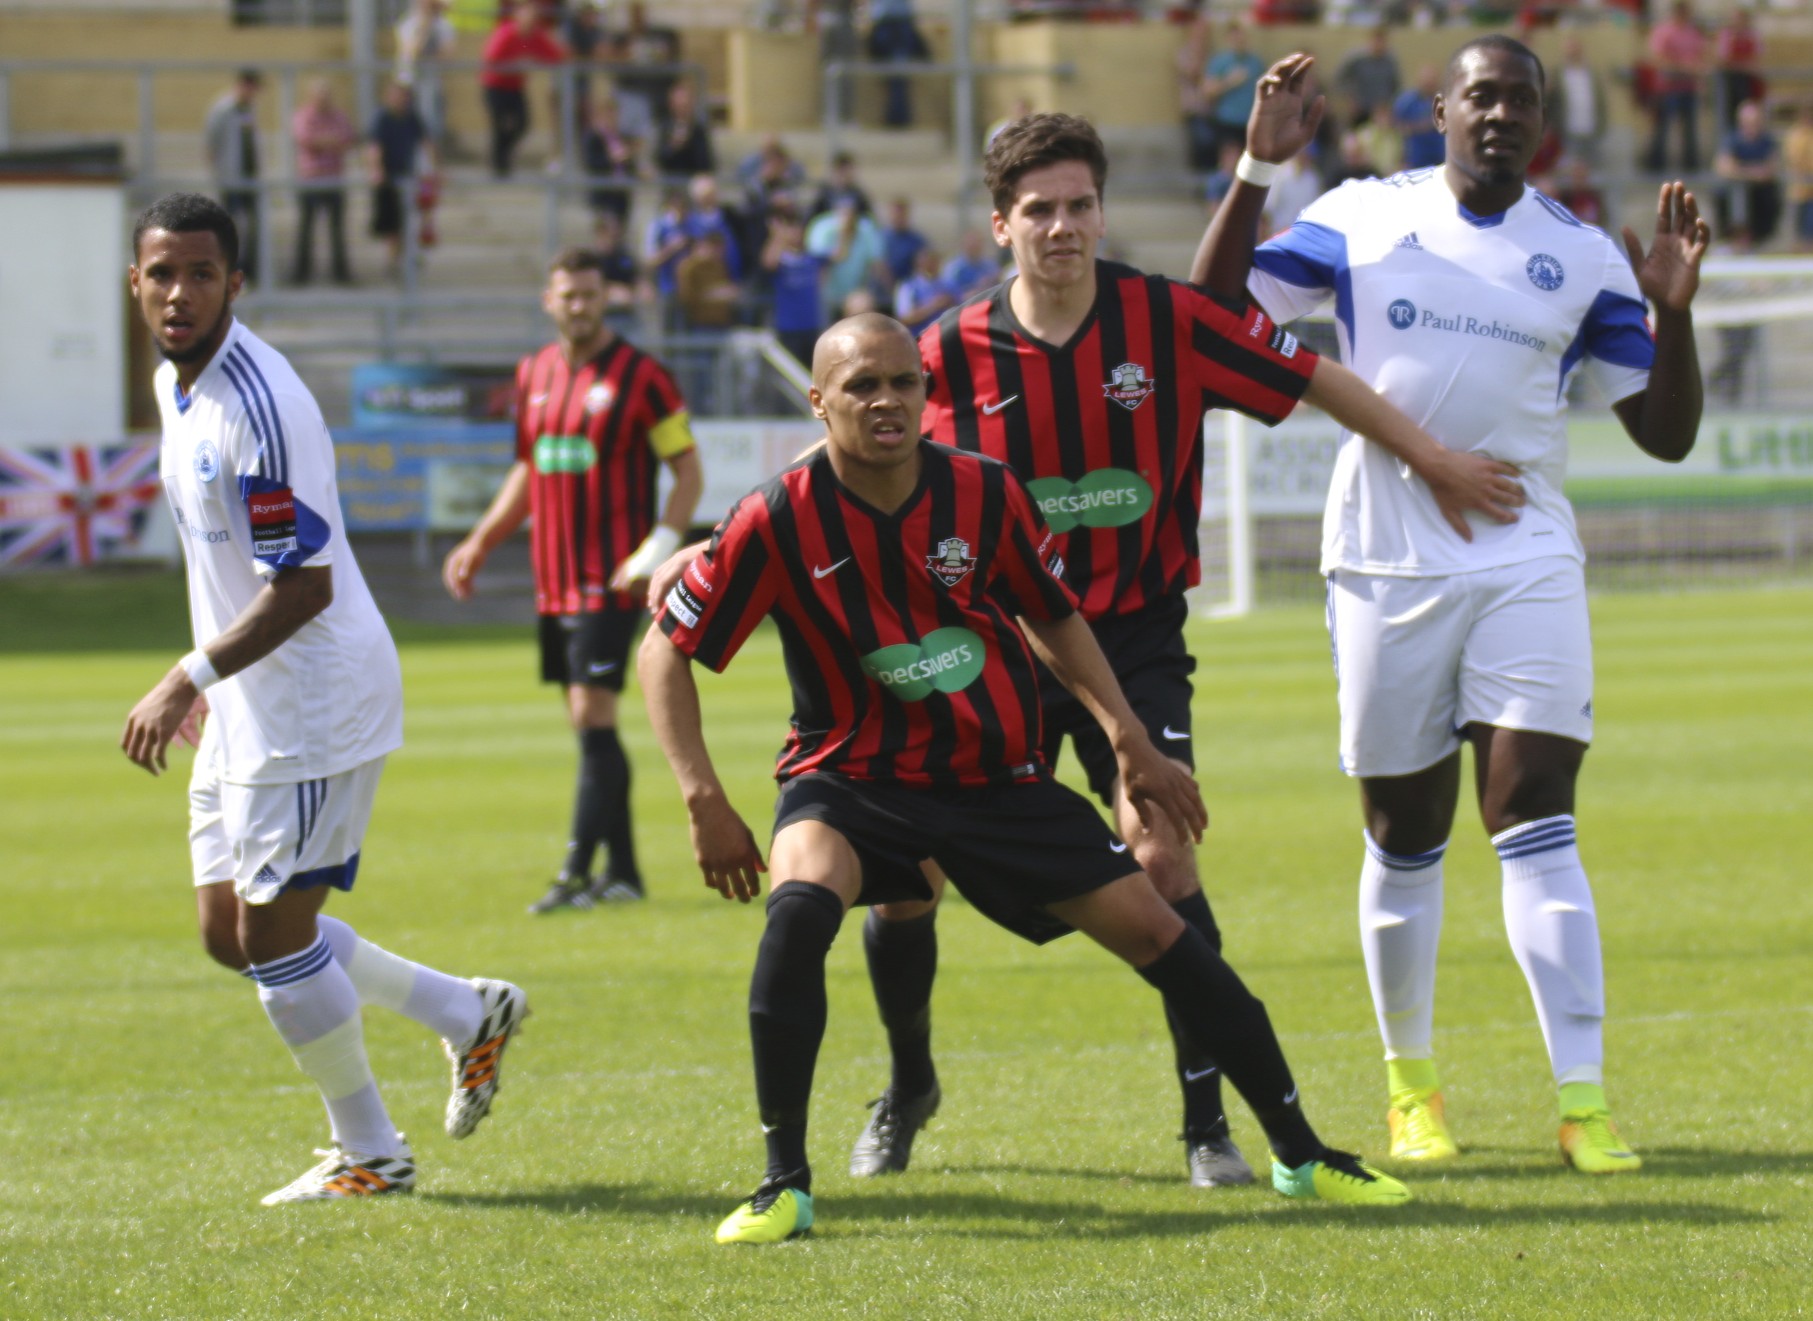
(1417, 660)
(268, 838)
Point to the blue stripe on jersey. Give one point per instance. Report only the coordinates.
(1312, 256)
(1616, 330)
(1482, 222)
(248, 403)
(264, 386)
(182, 400)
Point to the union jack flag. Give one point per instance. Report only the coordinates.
(75, 505)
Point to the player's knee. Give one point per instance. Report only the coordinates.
(909, 910)
(1171, 867)
(1531, 797)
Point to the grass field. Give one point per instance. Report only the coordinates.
(145, 1104)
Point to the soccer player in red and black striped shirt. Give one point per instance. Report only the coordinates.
(1091, 379)
(595, 419)
(895, 569)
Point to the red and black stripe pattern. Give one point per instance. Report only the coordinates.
(898, 629)
(585, 435)
(1107, 429)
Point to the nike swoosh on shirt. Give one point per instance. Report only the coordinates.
(600, 667)
(1117, 848)
(989, 410)
(1173, 734)
(1291, 1096)
(829, 568)
(1193, 1075)
(535, 399)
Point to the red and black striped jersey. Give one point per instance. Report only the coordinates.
(897, 629)
(594, 438)
(1106, 430)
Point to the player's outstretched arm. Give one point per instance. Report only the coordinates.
(1665, 418)
(284, 605)
(1284, 121)
(1151, 780)
(1461, 482)
(508, 510)
(721, 842)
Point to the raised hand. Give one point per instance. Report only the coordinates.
(1669, 273)
(1283, 121)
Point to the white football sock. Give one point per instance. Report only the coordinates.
(312, 1004)
(1400, 930)
(1554, 933)
(447, 1006)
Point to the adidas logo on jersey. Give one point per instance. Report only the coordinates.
(1409, 241)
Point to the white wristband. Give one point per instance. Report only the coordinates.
(653, 551)
(1255, 171)
(200, 670)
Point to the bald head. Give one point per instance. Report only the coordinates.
(851, 338)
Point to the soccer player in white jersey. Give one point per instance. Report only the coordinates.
(303, 702)
(1468, 300)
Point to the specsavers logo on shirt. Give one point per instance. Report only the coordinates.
(947, 660)
(556, 454)
(1107, 497)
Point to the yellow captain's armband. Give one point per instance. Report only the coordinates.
(671, 435)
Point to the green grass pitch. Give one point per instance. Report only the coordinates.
(146, 1105)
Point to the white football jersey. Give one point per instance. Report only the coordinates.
(249, 468)
(1471, 325)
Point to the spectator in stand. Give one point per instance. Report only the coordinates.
(1413, 114)
(425, 37)
(1580, 195)
(519, 39)
(399, 151)
(894, 38)
(1192, 73)
(1576, 106)
(769, 169)
(840, 186)
(974, 268)
(1737, 57)
(588, 44)
(624, 290)
(924, 295)
(1352, 161)
(1230, 81)
(855, 257)
(706, 289)
(323, 135)
(1021, 107)
(1749, 166)
(794, 278)
(1798, 152)
(645, 55)
(667, 240)
(902, 242)
(230, 137)
(835, 23)
(1368, 78)
(1221, 179)
(682, 139)
(609, 158)
(1679, 52)
(707, 215)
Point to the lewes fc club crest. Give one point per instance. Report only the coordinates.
(951, 563)
(1128, 385)
(599, 397)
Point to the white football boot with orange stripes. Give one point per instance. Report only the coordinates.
(476, 1064)
(348, 1174)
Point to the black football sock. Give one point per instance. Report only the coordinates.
(1217, 1010)
(590, 804)
(787, 1019)
(903, 960)
(605, 751)
(1197, 1074)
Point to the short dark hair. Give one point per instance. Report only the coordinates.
(189, 213)
(1495, 41)
(250, 77)
(574, 260)
(1034, 142)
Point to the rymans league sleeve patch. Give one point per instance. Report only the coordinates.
(683, 605)
(273, 518)
(1284, 344)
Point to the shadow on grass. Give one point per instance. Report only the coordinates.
(972, 1214)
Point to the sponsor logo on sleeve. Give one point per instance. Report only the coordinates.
(946, 660)
(1284, 344)
(683, 605)
(1107, 497)
(695, 575)
(273, 519)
